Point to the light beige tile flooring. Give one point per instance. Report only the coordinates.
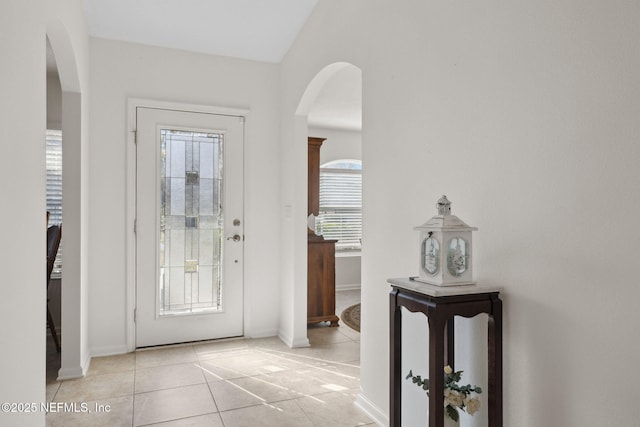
(233, 383)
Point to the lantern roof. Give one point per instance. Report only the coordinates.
(445, 221)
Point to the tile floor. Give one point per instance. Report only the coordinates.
(233, 383)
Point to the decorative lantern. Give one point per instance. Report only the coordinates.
(445, 249)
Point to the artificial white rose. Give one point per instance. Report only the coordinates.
(456, 397)
(453, 398)
(472, 405)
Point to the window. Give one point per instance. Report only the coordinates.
(54, 187)
(340, 215)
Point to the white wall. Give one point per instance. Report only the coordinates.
(22, 109)
(54, 102)
(121, 71)
(23, 29)
(339, 144)
(525, 115)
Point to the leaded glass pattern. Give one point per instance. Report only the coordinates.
(191, 221)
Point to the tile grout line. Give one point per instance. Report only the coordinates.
(133, 397)
(214, 402)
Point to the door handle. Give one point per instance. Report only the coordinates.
(235, 238)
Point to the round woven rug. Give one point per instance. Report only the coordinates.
(351, 317)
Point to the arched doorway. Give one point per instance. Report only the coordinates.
(331, 104)
(73, 293)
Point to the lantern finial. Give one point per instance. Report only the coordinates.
(444, 206)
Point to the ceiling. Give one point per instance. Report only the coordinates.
(250, 29)
(257, 30)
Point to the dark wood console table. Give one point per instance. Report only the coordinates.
(441, 305)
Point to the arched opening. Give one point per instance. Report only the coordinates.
(72, 295)
(331, 109)
(54, 164)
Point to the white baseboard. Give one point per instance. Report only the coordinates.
(262, 334)
(371, 410)
(109, 350)
(70, 373)
(81, 371)
(291, 343)
(348, 287)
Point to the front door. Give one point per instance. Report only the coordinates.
(189, 226)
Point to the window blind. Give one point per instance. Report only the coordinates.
(54, 187)
(340, 215)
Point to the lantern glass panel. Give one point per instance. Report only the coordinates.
(457, 256)
(430, 255)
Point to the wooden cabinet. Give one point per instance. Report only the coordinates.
(321, 253)
(313, 176)
(321, 281)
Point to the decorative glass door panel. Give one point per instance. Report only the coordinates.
(189, 208)
(191, 221)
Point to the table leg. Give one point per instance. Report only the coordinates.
(436, 370)
(395, 361)
(495, 363)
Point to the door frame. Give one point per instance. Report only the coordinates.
(130, 237)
